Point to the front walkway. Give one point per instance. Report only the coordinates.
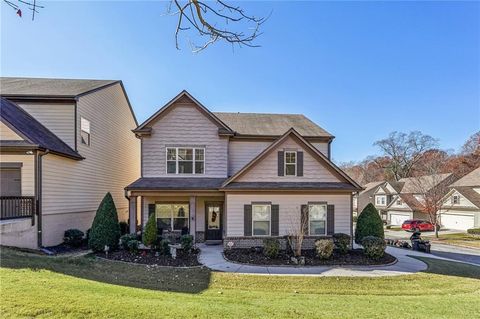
(212, 257)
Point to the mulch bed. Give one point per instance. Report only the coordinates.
(149, 258)
(354, 257)
(66, 249)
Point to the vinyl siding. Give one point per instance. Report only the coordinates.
(240, 153)
(289, 210)
(112, 161)
(266, 169)
(27, 171)
(464, 202)
(6, 134)
(58, 118)
(322, 147)
(184, 125)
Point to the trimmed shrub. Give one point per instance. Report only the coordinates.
(324, 248)
(187, 242)
(133, 245)
(271, 247)
(369, 224)
(163, 247)
(123, 227)
(342, 242)
(73, 237)
(125, 239)
(105, 230)
(473, 231)
(373, 247)
(149, 236)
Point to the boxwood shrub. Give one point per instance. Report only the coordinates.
(271, 247)
(373, 247)
(73, 237)
(342, 242)
(324, 248)
(474, 231)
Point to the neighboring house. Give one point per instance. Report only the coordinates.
(63, 145)
(461, 205)
(365, 197)
(380, 194)
(407, 204)
(238, 177)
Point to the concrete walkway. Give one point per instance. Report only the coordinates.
(212, 257)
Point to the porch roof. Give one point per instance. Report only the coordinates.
(176, 183)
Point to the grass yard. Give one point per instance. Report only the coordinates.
(459, 239)
(58, 287)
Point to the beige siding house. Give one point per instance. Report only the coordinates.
(238, 178)
(67, 143)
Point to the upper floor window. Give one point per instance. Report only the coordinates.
(261, 218)
(184, 160)
(455, 199)
(380, 200)
(290, 163)
(85, 131)
(399, 202)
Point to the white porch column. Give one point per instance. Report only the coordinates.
(132, 214)
(193, 216)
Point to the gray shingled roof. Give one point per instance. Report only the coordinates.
(470, 194)
(411, 183)
(471, 179)
(270, 124)
(291, 185)
(41, 87)
(176, 183)
(36, 134)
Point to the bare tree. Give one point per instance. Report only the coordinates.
(432, 188)
(472, 145)
(296, 233)
(405, 151)
(28, 4)
(216, 21)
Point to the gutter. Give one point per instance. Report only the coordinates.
(38, 181)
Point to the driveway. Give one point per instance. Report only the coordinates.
(469, 255)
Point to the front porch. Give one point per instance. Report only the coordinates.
(200, 214)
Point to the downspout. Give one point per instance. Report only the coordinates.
(38, 180)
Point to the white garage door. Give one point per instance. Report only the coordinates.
(398, 219)
(460, 222)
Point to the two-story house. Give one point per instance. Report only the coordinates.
(461, 205)
(238, 177)
(63, 145)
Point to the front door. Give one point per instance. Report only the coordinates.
(213, 225)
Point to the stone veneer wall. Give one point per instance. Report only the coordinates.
(249, 242)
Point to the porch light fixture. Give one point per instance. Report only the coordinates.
(29, 152)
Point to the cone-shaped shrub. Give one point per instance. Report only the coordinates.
(369, 223)
(149, 236)
(105, 230)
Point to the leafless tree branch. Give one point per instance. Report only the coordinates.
(29, 4)
(215, 21)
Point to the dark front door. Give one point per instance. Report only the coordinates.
(214, 222)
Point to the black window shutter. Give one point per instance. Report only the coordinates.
(330, 219)
(304, 219)
(275, 220)
(299, 163)
(281, 163)
(247, 220)
(151, 209)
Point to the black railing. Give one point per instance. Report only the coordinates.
(12, 207)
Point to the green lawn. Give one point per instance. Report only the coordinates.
(460, 239)
(46, 287)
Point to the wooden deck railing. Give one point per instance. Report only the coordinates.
(12, 207)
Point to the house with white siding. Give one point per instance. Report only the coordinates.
(64, 144)
(461, 205)
(238, 177)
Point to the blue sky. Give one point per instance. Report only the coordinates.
(358, 69)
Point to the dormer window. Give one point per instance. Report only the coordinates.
(85, 131)
(185, 160)
(290, 163)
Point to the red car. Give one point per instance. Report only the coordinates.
(421, 225)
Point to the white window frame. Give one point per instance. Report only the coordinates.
(285, 163)
(82, 119)
(381, 200)
(399, 202)
(455, 199)
(172, 213)
(309, 220)
(176, 160)
(269, 221)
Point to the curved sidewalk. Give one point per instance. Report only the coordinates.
(212, 257)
